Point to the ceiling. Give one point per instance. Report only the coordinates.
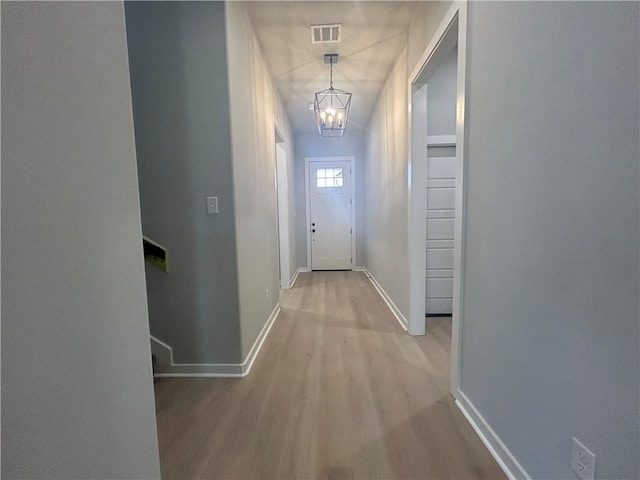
(373, 35)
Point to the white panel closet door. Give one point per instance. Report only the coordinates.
(441, 180)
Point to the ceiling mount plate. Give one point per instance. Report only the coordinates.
(330, 58)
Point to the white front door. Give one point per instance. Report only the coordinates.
(330, 215)
(441, 180)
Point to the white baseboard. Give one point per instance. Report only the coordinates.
(167, 367)
(496, 447)
(295, 276)
(257, 345)
(387, 299)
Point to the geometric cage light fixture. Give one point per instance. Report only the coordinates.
(332, 106)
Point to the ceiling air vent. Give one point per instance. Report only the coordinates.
(326, 33)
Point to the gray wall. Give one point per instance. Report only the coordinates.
(312, 145)
(177, 53)
(441, 101)
(77, 391)
(550, 330)
(441, 97)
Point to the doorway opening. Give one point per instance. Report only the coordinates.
(441, 188)
(282, 209)
(330, 212)
(436, 180)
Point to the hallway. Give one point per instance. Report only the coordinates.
(338, 391)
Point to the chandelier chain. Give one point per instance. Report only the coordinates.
(331, 74)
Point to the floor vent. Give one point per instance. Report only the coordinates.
(326, 33)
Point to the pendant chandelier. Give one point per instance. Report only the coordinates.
(332, 106)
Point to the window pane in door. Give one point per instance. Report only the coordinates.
(329, 177)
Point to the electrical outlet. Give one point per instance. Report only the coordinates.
(583, 461)
(212, 205)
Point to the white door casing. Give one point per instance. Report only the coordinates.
(330, 213)
(282, 187)
(330, 209)
(452, 30)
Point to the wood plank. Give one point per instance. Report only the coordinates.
(339, 391)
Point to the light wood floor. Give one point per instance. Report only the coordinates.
(339, 391)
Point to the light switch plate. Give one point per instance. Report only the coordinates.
(212, 205)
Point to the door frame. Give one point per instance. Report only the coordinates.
(451, 31)
(352, 175)
(282, 209)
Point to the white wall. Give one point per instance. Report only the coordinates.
(386, 177)
(77, 391)
(313, 145)
(386, 191)
(254, 107)
(427, 17)
(550, 327)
